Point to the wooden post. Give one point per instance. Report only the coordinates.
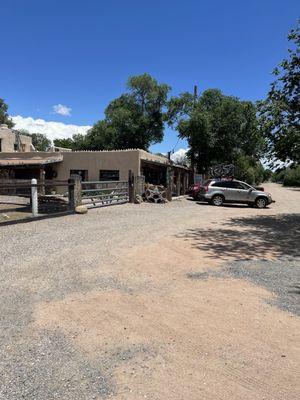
(42, 180)
(34, 198)
(131, 186)
(169, 182)
(75, 191)
(178, 183)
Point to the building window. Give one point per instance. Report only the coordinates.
(16, 147)
(23, 147)
(83, 173)
(109, 175)
(0, 145)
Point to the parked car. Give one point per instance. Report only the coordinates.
(217, 192)
(194, 190)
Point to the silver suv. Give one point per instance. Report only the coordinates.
(218, 191)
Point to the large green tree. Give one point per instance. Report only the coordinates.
(218, 128)
(279, 114)
(133, 120)
(4, 117)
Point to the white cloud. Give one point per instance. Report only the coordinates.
(179, 155)
(62, 110)
(53, 130)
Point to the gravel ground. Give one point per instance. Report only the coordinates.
(281, 277)
(53, 261)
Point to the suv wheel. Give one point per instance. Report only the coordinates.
(217, 200)
(261, 202)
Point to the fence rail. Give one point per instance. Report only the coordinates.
(104, 192)
(24, 200)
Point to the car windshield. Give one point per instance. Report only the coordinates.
(207, 182)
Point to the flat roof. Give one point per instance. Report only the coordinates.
(31, 159)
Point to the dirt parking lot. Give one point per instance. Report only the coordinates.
(182, 301)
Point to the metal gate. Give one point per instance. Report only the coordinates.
(104, 193)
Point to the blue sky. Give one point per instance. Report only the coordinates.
(79, 54)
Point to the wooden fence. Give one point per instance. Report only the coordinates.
(26, 199)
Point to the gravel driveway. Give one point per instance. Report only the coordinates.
(103, 305)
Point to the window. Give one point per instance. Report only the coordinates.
(222, 184)
(236, 185)
(240, 185)
(109, 175)
(245, 186)
(83, 173)
(0, 145)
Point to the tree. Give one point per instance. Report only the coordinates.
(279, 114)
(218, 128)
(67, 143)
(39, 140)
(133, 120)
(4, 118)
(77, 142)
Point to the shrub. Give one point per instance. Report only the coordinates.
(292, 176)
(268, 175)
(278, 176)
(249, 170)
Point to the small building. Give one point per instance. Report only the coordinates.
(12, 141)
(115, 165)
(60, 164)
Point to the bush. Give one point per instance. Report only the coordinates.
(278, 176)
(249, 170)
(292, 176)
(268, 175)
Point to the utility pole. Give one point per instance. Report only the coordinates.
(195, 100)
(195, 94)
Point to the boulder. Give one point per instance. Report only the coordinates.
(138, 199)
(81, 209)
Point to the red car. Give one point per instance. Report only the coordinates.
(194, 190)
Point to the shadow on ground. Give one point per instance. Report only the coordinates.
(281, 277)
(247, 238)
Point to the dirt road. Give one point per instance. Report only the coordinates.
(179, 301)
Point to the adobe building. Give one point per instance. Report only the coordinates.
(115, 165)
(12, 141)
(92, 166)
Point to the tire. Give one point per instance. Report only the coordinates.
(261, 202)
(217, 200)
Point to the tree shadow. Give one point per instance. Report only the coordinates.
(249, 237)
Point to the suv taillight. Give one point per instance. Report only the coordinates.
(206, 188)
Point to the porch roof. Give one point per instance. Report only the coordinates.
(30, 159)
